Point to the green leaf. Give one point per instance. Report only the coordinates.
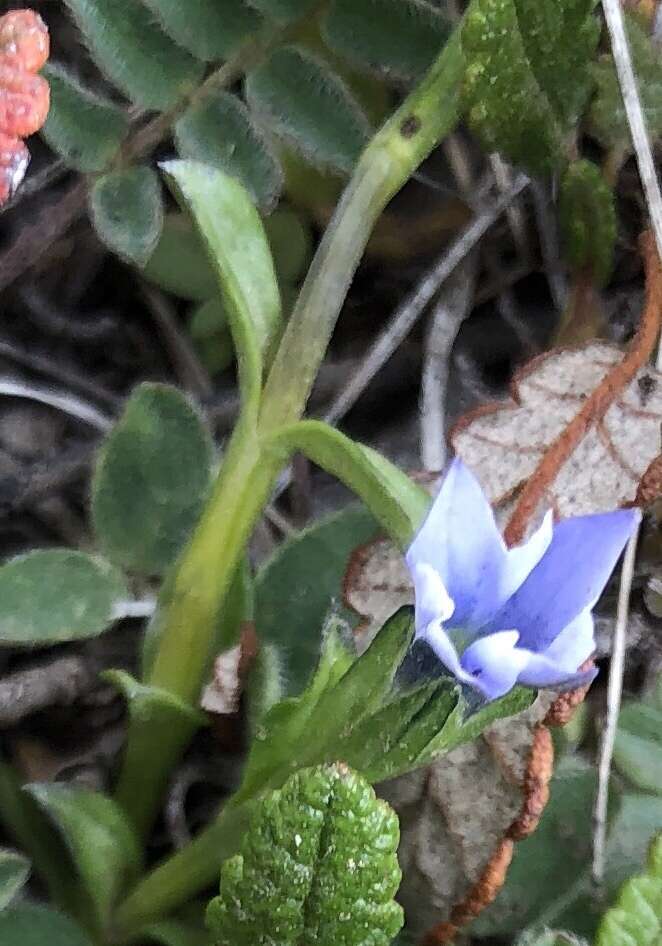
(83, 128)
(179, 263)
(527, 75)
(174, 933)
(211, 336)
(135, 53)
(55, 595)
(237, 245)
(399, 504)
(636, 919)
(588, 219)
(607, 118)
(14, 872)
(638, 746)
(399, 38)
(291, 243)
(151, 479)
(218, 130)
(549, 938)
(309, 106)
(127, 212)
(296, 587)
(31, 925)
(209, 29)
(283, 10)
(102, 843)
(318, 865)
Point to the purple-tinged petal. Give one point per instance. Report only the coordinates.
(461, 541)
(494, 663)
(568, 579)
(444, 649)
(432, 600)
(543, 672)
(575, 644)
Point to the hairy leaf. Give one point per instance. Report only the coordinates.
(103, 845)
(83, 128)
(318, 865)
(31, 925)
(588, 219)
(54, 595)
(179, 263)
(14, 872)
(399, 38)
(636, 919)
(298, 585)
(218, 130)
(134, 53)
(210, 29)
(151, 479)
(527, 74)
(608, 121)
(127, 212)
(308, 105)
(238, 248)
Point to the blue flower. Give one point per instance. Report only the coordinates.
(496, 616)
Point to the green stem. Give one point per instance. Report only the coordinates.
(207, 567)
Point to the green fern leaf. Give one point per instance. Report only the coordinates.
(209, 29)
(83, 128)
(398, 38)
(636, 920)
(134, 53)
(318, 865)
(307, 104)
(527, 75)
(588, 219)
(219, 130)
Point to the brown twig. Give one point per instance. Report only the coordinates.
(597, 404)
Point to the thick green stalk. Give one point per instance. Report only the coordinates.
(425, 117)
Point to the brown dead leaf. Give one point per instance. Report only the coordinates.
(505, 443)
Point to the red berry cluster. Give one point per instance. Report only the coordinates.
(24, 96)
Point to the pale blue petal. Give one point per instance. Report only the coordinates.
(444, 649)
(568, 579)
(543, 672)
(494, 663)
(432, 600)
(575, 643)
(461, 541)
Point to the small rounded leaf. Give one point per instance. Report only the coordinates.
(134, 53)
(56, 595)
(179, 263)
(83, 128)
(14, 871)
(306, 103)
(210, 29)
(127, 212)
(211, 335)
(398, 38)
(219, 130)
(283, 11)
(151, 479)
(31, 925)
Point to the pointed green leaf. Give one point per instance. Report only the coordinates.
(83, 128)
(588, 219)
(31, 925)
(127, 212)
(297, 586)
(218, 130)
(237, 245)
(209, 29)
(103, 845)
(151, 479)
(527, 74)
(14, 872)
(636, 919)
(135, 53)
(608, 121)
(174, 933)
(283, 10)
(54, 595)
(399, 504)
(399, 38)
(318, 865)
(179, 263)
(308, 105)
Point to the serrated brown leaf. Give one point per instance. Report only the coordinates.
(505, 443)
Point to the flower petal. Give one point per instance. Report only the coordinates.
(494, 663)
(543, 672)
(575, 643)
(432, 600)
(568, 579)
(443, 649)
(461, 541)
